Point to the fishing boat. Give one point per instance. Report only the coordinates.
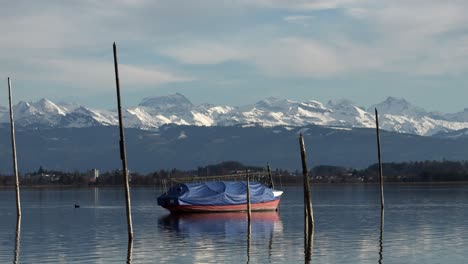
(219, 196)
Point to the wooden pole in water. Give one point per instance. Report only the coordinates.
(379, 158)
(308, 211)
(249, 215)
(270, 177)
(13, 146)
(123, 155)
(249, 211)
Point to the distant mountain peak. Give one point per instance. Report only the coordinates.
(173, 102)
(23, 104)
(44, 105)
(392, 99)
(397, 106)
(340, 102)
(44, 101)
(273, 103)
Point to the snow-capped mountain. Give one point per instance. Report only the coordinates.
(398, 106)
(395, 114)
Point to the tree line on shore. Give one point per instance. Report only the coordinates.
(418, 171)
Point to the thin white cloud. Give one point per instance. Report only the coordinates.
(298, 19)
(93, 75)
(297, 57)
(138, 76)
(304, 4)
(204, 53)
(280, 57)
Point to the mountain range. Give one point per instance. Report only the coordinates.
(395, 114)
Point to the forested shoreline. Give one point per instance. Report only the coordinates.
(405, 172)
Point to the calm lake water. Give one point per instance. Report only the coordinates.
(423, 224)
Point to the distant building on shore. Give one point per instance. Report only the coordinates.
(94, 175)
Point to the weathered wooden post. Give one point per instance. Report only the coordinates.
(13, 146)
(123, 155)
(308, 211)
(379, 158)
(271, 185)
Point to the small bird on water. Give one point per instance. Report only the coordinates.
(77, 206)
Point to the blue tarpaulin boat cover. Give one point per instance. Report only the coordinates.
(216, 193)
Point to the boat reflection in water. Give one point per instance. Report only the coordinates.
(234, 223)
(225, 237)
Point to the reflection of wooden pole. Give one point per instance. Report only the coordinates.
(249, 211)
(308, 211)
(381, 235)
(270, 245)
(123, 155)
(379, 158)
(270, 177)
(249, 234)
(130, 251)
(13, 146)
(17, 240)
(308, 245)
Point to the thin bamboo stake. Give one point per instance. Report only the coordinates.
(13, 146)
(249, 216)
(249, 210)
(380, 159)
(308, 211)
(123, 155)
(270, 177)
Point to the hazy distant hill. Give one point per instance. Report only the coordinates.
(187, 147)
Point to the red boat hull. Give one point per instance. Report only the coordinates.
(256, 207)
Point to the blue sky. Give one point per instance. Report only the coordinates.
(237, 52)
